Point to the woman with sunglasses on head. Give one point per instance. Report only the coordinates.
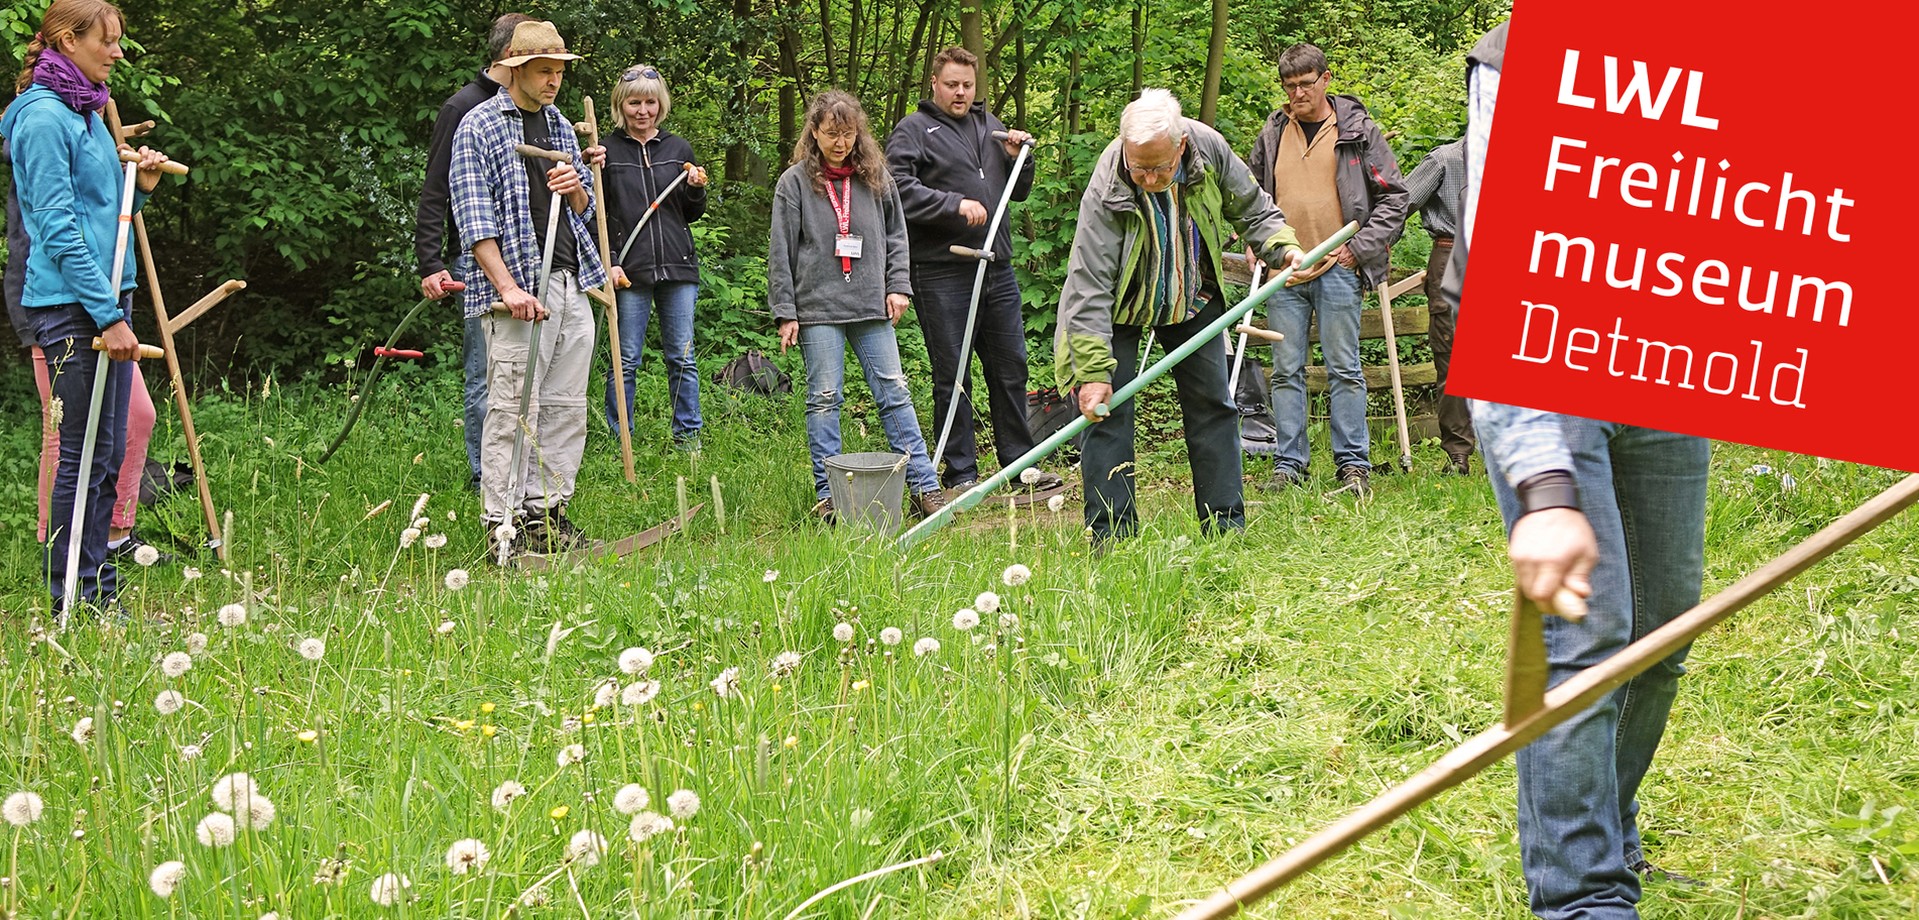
(838, 275)
(68, 175)
(659, 267)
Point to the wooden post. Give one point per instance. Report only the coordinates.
(610, 299)
(214, 532)
(1399, 392)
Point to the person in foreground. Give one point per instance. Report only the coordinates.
(1146, 253)
(1615, 513)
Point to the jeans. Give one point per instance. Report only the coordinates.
(675, 300)
(1644, 492)
(1455, 418)
(473, 355)
(1337, 296)
(943, 291)
(65, 334)
(555, 415)
(823, 349)
(140, 418)
(1212, 435)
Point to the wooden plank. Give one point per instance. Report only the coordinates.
(1413, 282)
(1406, 321)
(1378, 377)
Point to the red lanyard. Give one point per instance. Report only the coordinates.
(843, 210)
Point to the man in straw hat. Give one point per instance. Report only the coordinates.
(501, 203)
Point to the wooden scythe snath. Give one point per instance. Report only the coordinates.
(168, 326)
(590, 128)
(1528, 717)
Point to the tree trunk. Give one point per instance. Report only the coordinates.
(1215, 62)
(1139, 47)
(1019, 79)
(973, 35)
(1072, 95)
(852, 84)
(826, 42)
(905, 95)
(738, 153)
(790, 83)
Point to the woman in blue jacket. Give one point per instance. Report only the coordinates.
(67, 173)
(660, 268)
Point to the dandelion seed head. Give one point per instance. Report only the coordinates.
(1009, 620)
(445, 628)
(785, 664)
(505, 793)
(146, 555)
(389, 889)
(216, 830)
(190, 573)
(925, 647)
(635, 660)
(189, 753)
(648, 824)
(640, 692)
(631, 799)
(727, 684)
(986, 602)
(456, 579)
(570, 755)
(260, 812)
(83, 731)
(233, 788)
(196, 643)
(585, 849)
(166, 877)
(175, 664)
(22, 808)
(891, 635)
(312, 649)
(1056, 503)
(605, 692)
(169, 702)
(771, 576)
(233, 616)
(1030, 475)
(966, 618)
(842, 632)
(1015, 575)
(435, 540)
(409, 536)
(467, 855)
(683, 804)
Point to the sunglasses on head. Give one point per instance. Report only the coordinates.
(637, 73)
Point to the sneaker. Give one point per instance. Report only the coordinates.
(130, 548)
(1283, 478)
(1355, 479)
(929, 503)
(1040, 481)
(824, 511)
(1648, 872)
(1459, 464)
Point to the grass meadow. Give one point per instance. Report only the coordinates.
(1039, 732)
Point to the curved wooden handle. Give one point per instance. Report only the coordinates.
(971, 253)
(528, 150)
(1258, 333)
(146, 351)
(140, 130)
(173, 167)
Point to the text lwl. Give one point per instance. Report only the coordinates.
(1639, 88)
(1718, 373)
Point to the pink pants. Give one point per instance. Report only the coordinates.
(139, 431)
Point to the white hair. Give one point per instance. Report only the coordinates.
(1154, 115)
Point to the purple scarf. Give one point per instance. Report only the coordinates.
(59, 73)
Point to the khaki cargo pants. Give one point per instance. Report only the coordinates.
(556, 413)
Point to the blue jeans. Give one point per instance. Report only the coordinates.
(944, 290)
(675, 300)
(65, 333)
(1644, 491)
(1338, 298)
(1212, 435)
(473, 357)
(823, 349)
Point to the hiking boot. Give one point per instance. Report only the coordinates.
(552, 532)
(1648, 872)
(1355, 479)
(517, 546)
(963, 486)
(1035, 479)
(689, 444)
(929, 503)
(130, 549)
(1459, 464)
(1282, 479)
(824, 511)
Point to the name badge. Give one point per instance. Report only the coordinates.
(847, 246)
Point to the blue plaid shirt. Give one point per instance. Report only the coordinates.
(489, 187)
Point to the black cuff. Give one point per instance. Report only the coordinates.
(1551, 489)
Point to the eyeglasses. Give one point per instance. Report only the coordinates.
(840, 135)
(1303, 85)
(636, 73)
(1154, 171)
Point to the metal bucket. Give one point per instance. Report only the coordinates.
(868, 489)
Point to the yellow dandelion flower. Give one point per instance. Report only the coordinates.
(486, 707)
(488, 730)
(698, 706)
(792, 741)
(465, 725)
(308, 736)
(586, 719)
(558, 812)
(776, 688)
(859, 685)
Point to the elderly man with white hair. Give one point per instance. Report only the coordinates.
(1153, 224)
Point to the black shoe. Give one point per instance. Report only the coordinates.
(1648, 872)
(130, 549)
(553, 532)
(1459, 464)
(1355, 479)
(1283, 478)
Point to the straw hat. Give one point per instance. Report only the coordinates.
(535, 39)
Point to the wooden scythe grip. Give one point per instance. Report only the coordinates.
(528, 150)
(172, 167)
(146, 351)
(140, 130)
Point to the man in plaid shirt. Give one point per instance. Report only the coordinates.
(501, 221)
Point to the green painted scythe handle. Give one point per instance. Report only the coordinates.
(972, 497)
(367, 390)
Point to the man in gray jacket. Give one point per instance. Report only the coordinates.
(1146, 252)
(1325, 162)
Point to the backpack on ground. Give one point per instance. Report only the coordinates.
(754, 372)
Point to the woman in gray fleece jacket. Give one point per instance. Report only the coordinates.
(838, 275)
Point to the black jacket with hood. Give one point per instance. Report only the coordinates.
(937, 162)
(1372, 193)
(635, 174)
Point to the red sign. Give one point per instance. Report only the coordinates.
(1687, 222)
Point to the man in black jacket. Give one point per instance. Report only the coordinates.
(951, 173)
(433, 232)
